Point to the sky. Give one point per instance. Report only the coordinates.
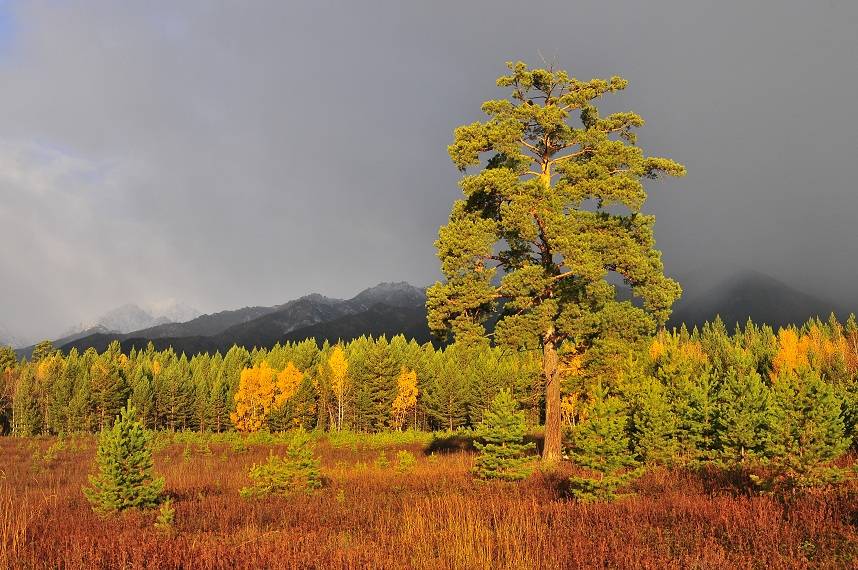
(227, 154)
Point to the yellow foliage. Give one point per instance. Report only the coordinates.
(260, 390)
(339, 366)
(50, 367)
(288, 381)
(814, 349)
(572, 409)
(254, 397)
(656, 349)
(156, 367)
(792, 352)
(339, 371)
(406, 397)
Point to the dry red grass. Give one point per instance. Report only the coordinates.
(433, 517)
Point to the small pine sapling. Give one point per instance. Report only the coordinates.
(166, 517)
(381, 462)
(124, 460)
(297, 471)
(503, 453)
(405, 461)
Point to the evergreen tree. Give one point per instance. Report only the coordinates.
(446, 395)
(124, 479)
(42, 350)
(503, 453)
(744, 418)
(297, 471)
(601, 444)
(8, 358)
(808, 434)
(27, 418)
(653, 424)
(556, 209)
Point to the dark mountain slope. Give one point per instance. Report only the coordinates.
(751, 294)
(388, 308)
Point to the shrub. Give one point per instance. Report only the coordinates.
(405, 461)
(166, 516)
(124, 460)
(297, 471)
(504, 455)
(381, 462)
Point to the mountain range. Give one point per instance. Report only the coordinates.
(386, 309)
(399, 308)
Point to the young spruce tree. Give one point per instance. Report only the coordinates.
(124, 479)
(504, 455)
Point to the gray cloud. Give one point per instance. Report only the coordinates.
(233, 153)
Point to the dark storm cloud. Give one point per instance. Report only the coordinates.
(232, 153)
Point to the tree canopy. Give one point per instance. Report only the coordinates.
(549, 224)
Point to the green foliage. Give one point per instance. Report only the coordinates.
(166, 516)
(807, 434)
(124, 479)
(601, 445)
(503, 453)
(745, 418)
(297, 471)
(405, 461)
(382, 462)
(554, 210)
(653, 424)
(43, 350)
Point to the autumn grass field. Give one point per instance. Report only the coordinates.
(434, 515)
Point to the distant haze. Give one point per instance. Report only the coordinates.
(227, 154)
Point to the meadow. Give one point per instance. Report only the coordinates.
(373, 514)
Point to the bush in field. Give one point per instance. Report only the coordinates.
(601, 445)
(124, 460)
(405, 461)
(166, 517)
(382, 462)
(504, 455)
(297, 471)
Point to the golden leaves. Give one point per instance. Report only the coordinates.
(260, 390)
(406, 397)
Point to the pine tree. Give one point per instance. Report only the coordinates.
(297, 471)
(503, 453)
(744, 418)
(8, 358)
(27, 417)
(601, 444)
(653, 424)
(555, 210)
(808, 434)
(125, 479)
(42, 350)
(446, 394)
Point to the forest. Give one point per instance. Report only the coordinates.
(681, 397)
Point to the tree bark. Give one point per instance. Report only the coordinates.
(551, 449)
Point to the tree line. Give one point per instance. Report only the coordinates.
(677, 397)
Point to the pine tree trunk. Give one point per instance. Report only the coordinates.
(551, 449)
